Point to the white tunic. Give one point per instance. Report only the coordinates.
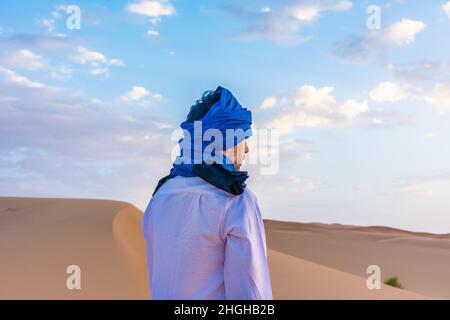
(204, 243)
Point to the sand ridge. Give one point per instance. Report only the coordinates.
(40, 237)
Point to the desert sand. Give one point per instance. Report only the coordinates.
(41, 237)
(421, 261)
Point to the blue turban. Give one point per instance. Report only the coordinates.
(227, 113)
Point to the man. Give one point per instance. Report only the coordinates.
(203, 227)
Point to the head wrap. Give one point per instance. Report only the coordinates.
(225, 125)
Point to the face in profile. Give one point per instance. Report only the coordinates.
(237, 154)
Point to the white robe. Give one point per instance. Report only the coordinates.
(204, 243)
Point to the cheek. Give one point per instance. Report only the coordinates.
(240, 151)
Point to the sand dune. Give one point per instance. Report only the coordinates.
(379, 229)
(421, 261)
(295, 278)
(40, 238)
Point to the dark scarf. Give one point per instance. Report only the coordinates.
(230, 181)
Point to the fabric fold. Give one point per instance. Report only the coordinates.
(232, 122)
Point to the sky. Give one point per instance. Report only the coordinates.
(359, 92)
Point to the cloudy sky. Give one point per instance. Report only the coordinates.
(363, 112)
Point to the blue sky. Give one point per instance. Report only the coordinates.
(363, 114)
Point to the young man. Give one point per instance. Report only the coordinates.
(203, 228)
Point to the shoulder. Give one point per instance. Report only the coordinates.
(242, 214)
(242, 206)
(249, 193)
(246, 197)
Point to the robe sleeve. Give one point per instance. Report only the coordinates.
(246, 272)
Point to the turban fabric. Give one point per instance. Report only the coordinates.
(226, 120)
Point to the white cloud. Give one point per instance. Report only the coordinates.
(310, 97)
(18, 79)
(352, 108)
(375, 42)
(388, 92)
(402, 32)
(425, 80)
(310, 12)
(152, 33)
(141, 94)
(116, 62)
(285, 123)
(268, 102)
(282, 24)
(439, 96)
(98, 62)
(446, 8)
(49, 24)
(136, 93)
(420, 72)
(154, 9)
(86, 56)
(343, 5)
(24, 59)
(39, 122)
(98, 71)
(306, 13)
(315, 107)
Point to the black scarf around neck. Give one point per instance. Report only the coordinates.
(230, 181)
